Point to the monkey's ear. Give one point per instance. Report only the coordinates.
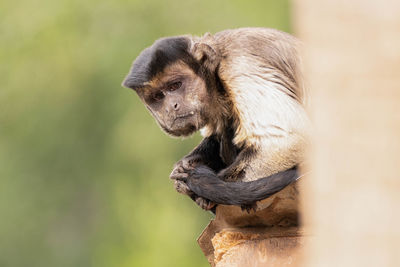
(206, 55)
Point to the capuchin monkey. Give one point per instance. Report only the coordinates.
(243, 90)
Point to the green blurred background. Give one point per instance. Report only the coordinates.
(83, 167)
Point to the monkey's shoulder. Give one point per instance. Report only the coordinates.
(258, 71)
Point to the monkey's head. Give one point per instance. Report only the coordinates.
(174, 86)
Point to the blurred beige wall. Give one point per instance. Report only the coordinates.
(352, 62)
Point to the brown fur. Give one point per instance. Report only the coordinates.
(246, 95)
(266, 93)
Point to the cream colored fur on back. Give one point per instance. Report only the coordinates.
(267, 101)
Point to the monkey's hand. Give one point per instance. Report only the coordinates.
(184, 166)
(183, 188)
(181, 172)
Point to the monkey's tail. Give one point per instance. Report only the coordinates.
(241, 193)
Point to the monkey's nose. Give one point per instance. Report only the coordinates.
(176, 106)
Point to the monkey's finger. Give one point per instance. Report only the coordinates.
(249, 207)
(200, 202)
(178, 173)
(182, 188)
(191, 162)
(205, 204)
(210, 205)
(186, 164)
(179, 176)
(246, 208)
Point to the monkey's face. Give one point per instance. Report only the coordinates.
(177, 98)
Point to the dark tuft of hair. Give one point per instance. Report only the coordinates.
(155, 58)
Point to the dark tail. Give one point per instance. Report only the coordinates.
(241, 193)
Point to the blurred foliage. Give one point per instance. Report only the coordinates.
(83, 167)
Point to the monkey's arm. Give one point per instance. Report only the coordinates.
(227, 187)
(206, 153)
(204, 182)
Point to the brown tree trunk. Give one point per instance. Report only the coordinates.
(268, 237)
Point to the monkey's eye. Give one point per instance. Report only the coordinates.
(174, 86)
(158, 96)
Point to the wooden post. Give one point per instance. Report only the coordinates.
(268, 237)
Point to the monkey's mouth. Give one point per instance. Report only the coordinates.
(181, 119)
(185, 115)
(184, 124)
